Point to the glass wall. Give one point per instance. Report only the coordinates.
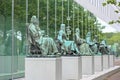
(51, 13)
(5, 39)
(12, 39)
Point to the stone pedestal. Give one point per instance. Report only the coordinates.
(42, 69)
(98, 63)
(87, 65)
(71, 68)
(111, 59)
(105, 61)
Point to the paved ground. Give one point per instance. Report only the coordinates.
(20, 79)
(115, 76)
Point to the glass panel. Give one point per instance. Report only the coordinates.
(19, 38)
(5, 39)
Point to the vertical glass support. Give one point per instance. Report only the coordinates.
(38, 11)
(73, 17)
(55, 18)
(87, 27)
(95, 28)
(82, 23)
(62, 11)
(26, 11)
(78, 17)
(68, 13)
(47, 17)
(68, 19)
(12, 56)
(27, 46)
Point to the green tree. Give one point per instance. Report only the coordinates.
(5, 11)
(112, 37)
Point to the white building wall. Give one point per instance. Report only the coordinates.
(106, 13)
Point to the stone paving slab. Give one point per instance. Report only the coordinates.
(103, 74)
(115, 76)
(20, 79)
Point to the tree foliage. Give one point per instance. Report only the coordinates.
(112, 37)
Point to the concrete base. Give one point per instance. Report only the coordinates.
(87, 65)
(111, 59)
(98, 63)
(105, 61)
(42, 69)
(71, 68)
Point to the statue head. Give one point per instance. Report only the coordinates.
(109, 46)
(77, 30)
(88, 34)
(62, 27)
(96, 36)
(34, 19)
(42, 32)
(104, 40)
(10, 32)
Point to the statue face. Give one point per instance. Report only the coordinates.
(104, 40)
(63, 27)
(34, 20)
(77, 30)
(88, 34)
(96, 36)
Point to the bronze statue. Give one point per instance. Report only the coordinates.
(66, 46)
(103, 48)
(44, 46)
(85, 45)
